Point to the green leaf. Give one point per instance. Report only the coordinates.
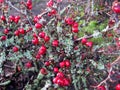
(5, 83)
(28, 54)
(100, 66)
(84, 81)
(40, 76)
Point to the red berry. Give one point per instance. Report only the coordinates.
(89, 44)
(67, 63)
(28, 65)
(66, 82)
(101, 88)
(17, 18)
(1, 1)
(75, 25)
(53, 12)
(47, 63)
(17, 33)
(84, 41)
(22, 31)
(60, 74)
(117, 87)
(69, 21)
(60, 82)
(75, 30)
(3, 18)
(55, 80)
(36, 19)
(38, 56)
(43, 71)
(50, 3)
(38, 25)
(35, 35)
(6, 31)
(29, 4)
(62, 64)
(11, 18)
(55, 43)
(15, 49)
(29, 7)
(42, 50)
(35, 41)
(46, 38)
(3, 38)
(55, 69)
(42, 34)
(116, 8)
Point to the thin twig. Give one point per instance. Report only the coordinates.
(109, 72)
(10, 4)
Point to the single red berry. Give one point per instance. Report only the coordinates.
(29, 4)
(89, 44)
(55, 80)
(3, 18)
(50, 3)
(62, 64)
(101, 88)
(56, 70)
(38, 25)
(49, 14)
(28, 65)
(46, 38)
(35, 41)
(22, 31)
(60, 74)
(116, 8)
(42, 50)
(17, 18)
(38, 56)
(75, 30)
(1, 1)
(67, 63)
(47, 63)
(69, 21)
(60, 81)
(35, 19)
(11, 18)
(17, 33)
(42, 34)
(15, 49)
(35, 35)
(75, 25)
(6, 31)
(3, 38)
(66, 82)
(53, 12)
(43, 71)
(117, 87)
(55, 43)
(84, 41)
(29, 7)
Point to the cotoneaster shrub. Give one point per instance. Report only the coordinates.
(68, 48)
